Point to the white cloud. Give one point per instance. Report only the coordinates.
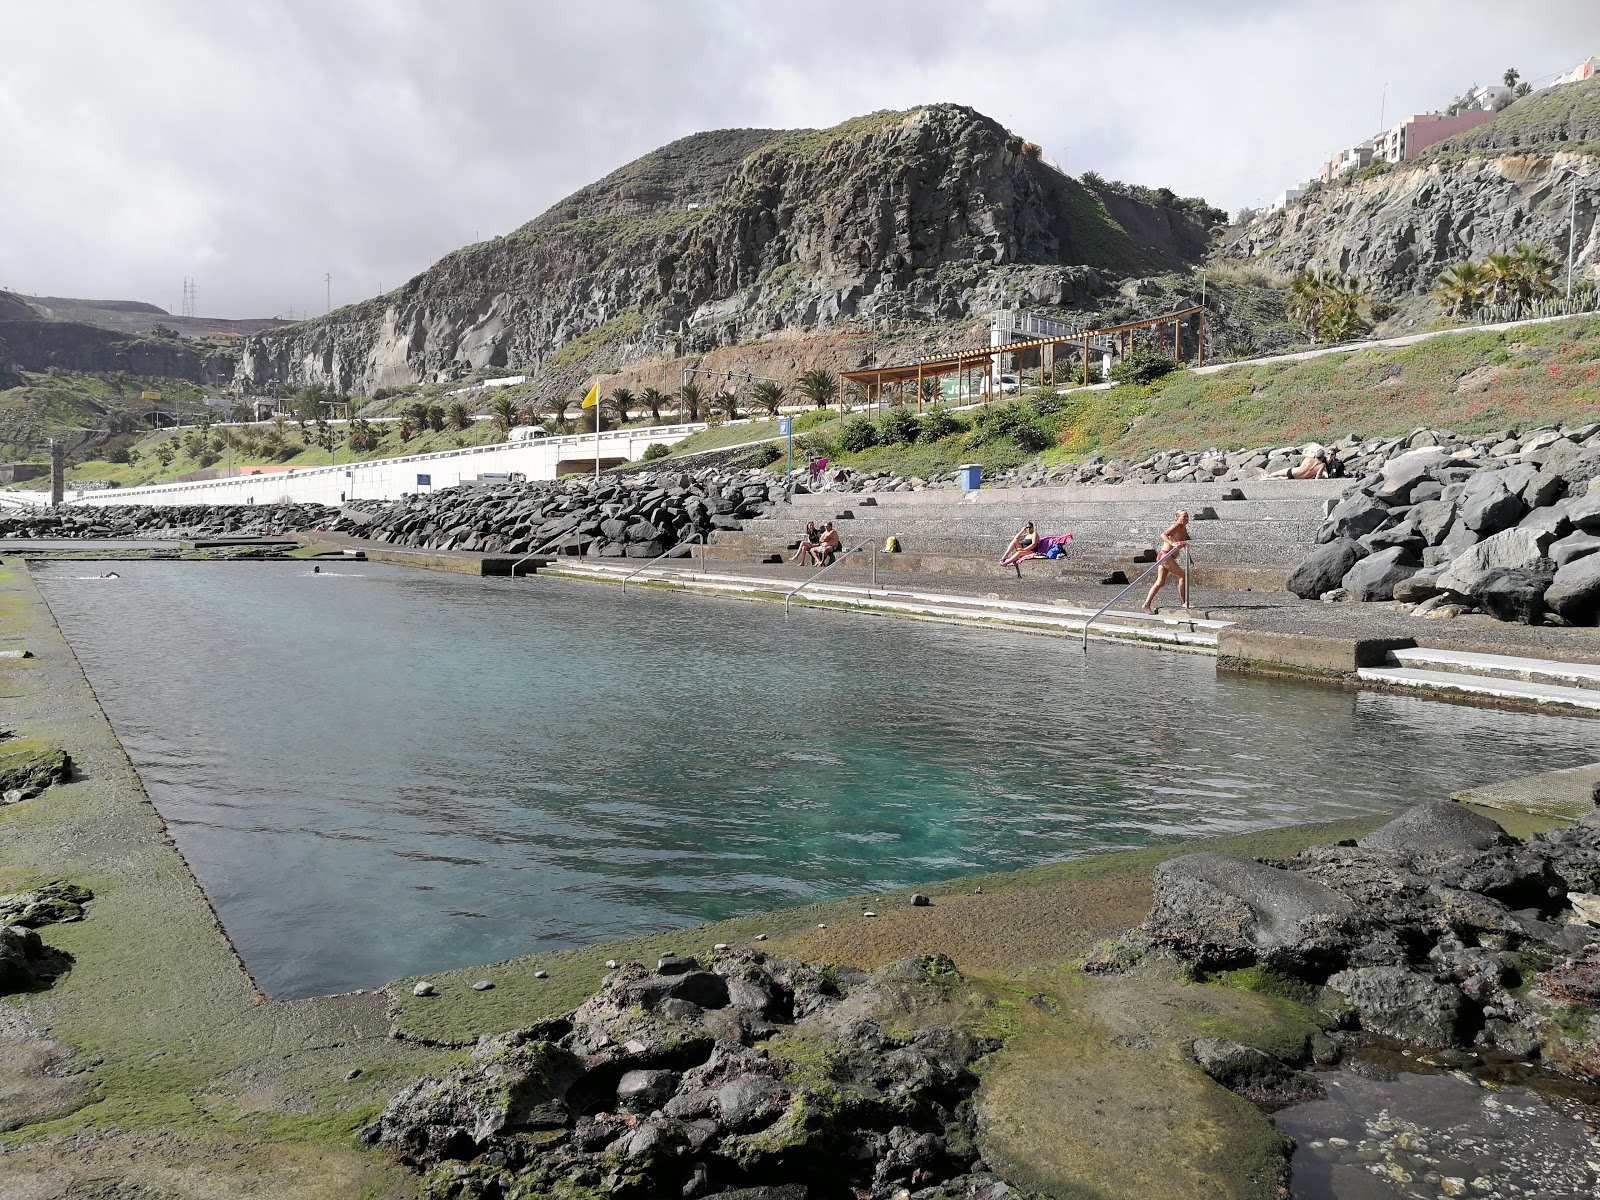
(257, 146)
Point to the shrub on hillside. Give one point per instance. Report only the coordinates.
(654, 451)
(1017, 423)
(938, 424)
(1143, 366)
(858, 434)
(766, 454)
(900, 427)
(1030, 438)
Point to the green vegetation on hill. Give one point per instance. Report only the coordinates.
(101, 409)
(1472, 382)
(1566, 117)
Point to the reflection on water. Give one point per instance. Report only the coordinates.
(349, 764)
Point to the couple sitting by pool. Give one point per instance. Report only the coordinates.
(819, 545)
(1028, 544)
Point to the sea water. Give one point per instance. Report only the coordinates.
(375, 772)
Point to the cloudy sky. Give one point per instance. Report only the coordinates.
(256, 147)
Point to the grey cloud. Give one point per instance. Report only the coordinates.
(257, 146)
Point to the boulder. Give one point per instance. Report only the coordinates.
(1400, 1003)
(1573, 547)
(1544, 488)
(1406, 471)
(1254, 1074)
(1433, 519)
(1405, 535)
(646, 1089)
(1374, 577)
(1357, 515)
(1584, 512)
(1575, 590)
(1515, 594)
(1509, 549)
(1552, 520)
(22, 956)
(1487, 506)
(1324, 568)
(1439, 828)
(1218, 910)
(1420, 586)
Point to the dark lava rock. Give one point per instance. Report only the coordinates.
(1515, 594)
(1403, 1004)
(26, 963)
(1430, 830)
(49, 904)
(1217, 910)
(1254, 1074)
(1324, 568)
(1575, 590)
(1375, 577)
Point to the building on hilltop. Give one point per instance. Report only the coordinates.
(1285, 198)
(1587, 69)
(1415, 134)
(1347, 160)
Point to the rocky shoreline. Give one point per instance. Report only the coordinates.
(1452, 526)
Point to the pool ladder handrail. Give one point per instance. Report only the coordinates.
(843, 554)
(541, 550)
(1145, 575)
(688, 541)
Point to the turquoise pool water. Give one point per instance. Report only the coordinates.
(375, 771)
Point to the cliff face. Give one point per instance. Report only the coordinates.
(37, 345)
(929, 215)
(1511, 180)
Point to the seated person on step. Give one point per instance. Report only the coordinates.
(827, 546)
(1313, 466)
(1022, 546)
(808, 539)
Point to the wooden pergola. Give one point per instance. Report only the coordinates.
(977, 365)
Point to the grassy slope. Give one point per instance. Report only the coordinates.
(62, 402)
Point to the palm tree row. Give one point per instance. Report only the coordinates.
(1510, 281)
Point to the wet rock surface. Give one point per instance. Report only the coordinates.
(1502, 524)
(26, 962)
(27, 767)
(1436, 929)
(741, 1076)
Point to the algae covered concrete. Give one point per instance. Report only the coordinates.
(153, 1066)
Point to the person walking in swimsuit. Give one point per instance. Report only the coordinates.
(1174, 538)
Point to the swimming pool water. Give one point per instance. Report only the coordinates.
(375, 772)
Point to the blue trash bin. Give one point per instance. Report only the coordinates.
(971, 476)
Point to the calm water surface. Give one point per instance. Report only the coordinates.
(375, 772)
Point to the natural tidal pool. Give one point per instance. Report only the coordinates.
(375, 772)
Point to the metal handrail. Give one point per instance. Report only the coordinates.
(843, 554)
(572, 537)
(1153, 566)
(688, 541)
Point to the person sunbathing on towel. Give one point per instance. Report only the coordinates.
(1053, 546)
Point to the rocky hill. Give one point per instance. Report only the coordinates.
(135, 316)
(1482, 191)
(926, 216)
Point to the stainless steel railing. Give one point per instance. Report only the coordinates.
(1143, 576)
(843, 554)
(664, 554)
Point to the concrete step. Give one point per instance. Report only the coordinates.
(1545, 672)
(1176, 494)
(1057, 509)
(1543, 695)
(1179, 632)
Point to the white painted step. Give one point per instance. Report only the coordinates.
(1167, 631)
(1553, 695)
(1500, 666)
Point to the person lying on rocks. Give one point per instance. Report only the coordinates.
(827, 546)
(1313, 466)
(1174, 540)
(808, 539)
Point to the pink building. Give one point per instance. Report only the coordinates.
(1415, 134)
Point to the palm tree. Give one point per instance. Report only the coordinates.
(1342, 319)
(504, 411)
(1511, 76)
(653, 399)
(1308, 296)
(458, 416)
(1535, 272)
(768, 395)
(728, 402)
(417, 413)
(818, 385)
(689, 400)
(532, 411)
(435, 415)
(621, 402)
(1500, 274)
(1460, 289)
(557, 407)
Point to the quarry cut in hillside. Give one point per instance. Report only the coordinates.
(931, 215)
(1508, 181)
